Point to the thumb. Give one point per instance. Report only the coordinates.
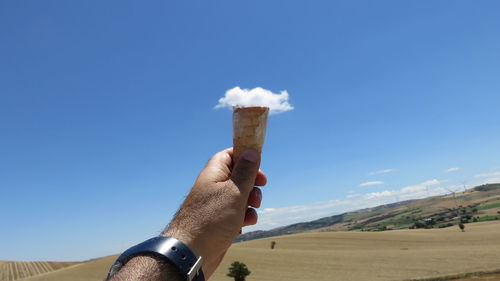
(245, 170)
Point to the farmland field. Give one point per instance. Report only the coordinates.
(13, 270)
(387, 255)
(87, 271)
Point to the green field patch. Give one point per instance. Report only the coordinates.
(488, 218)
(395, 219)
(360, 216)
(488, 187)
(489, 206)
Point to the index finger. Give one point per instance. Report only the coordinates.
(219, 167)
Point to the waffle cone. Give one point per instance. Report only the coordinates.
(249, 129)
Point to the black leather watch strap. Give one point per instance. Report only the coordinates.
(169, 249)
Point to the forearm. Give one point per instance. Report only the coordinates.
(218, 205)
(147, 268)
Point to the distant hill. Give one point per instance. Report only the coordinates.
(480, 203)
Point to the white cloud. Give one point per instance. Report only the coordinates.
(453, 169)
(368, 183)
(410, 192)
(384, 193)
(300, 208)
(352, 194)
(381, 172)
(422, 186)
(236, 96)
(487, 175)
(274, 217)
(491, 180)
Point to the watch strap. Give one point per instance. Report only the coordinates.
(167, 248)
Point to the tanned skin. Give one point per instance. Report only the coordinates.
(211, 217)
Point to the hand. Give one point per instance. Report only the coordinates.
(217, 206)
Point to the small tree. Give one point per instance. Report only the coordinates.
(462, 227)
(239, 271)
(273, 244)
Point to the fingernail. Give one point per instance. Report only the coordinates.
(250, 155)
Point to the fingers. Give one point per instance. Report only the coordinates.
(222, 159)
(255, 197)
(250, 217)
(261, 179)
(254, 200)
(245, 170)
(218, 168)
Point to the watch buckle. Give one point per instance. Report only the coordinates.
(193, 272)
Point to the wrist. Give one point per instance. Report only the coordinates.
(148, 268)
(169, 249)
(187, 239)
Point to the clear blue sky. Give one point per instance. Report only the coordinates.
(106, 109)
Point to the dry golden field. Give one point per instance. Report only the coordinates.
(93, 270)
(13, 270)
(388, 255)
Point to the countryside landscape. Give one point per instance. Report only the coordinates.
(333, 140)
(449, 237)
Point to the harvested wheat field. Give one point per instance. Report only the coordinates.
(388, 255)
(86, 271)
(13, 270)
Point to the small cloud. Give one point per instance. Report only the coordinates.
(296, 209)
(421, 186)
(273, 217)
(381, 172)
(368, 183)
(236, 96)
(491, 180)
(267, 210)
(453, 169)
(412, 191)
(384, 193)
(487, 175)
(352, 194)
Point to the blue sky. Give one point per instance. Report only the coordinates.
(107, 110)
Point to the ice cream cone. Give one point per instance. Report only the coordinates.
(249, 129)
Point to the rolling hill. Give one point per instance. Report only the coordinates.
(481, 203)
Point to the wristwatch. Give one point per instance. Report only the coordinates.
(168, 249)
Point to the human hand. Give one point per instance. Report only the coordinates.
(217, 206)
